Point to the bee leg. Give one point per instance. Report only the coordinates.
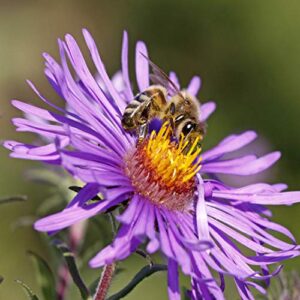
(188, 139)
(142, 132)
(172, 124)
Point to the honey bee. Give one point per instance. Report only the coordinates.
(143, 108)
(182, 110)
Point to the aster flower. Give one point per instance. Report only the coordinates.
(172, 200)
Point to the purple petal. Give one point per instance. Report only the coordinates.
(245, 168)
(68, 217)
(245, 225)
(243, 290)
(128, 90)
(279, 187)
(187, 235)
(118, 81)
(141, 66)
(124, 244)
(164, 239)
(154, 244)
(194, 86)
(33, 110)
(174, 79)
(47, 153)
(180, 253)
(36, 91)
(285, 198)
(227, 163)
(239, 237)
(257, 188)
(200, 246)
(206, 110)
(173, 280)
(201, 214)
(89, 191)
(130, 212)
(44, 129)
(229, 144)
(73, 214)
(101, 69)
(103, 137)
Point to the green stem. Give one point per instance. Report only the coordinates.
(142, 274)
(70, 260)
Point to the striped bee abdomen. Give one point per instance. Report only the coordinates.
(144, 107)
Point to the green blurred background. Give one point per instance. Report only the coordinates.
(246, 52)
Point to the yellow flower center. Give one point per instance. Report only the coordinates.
(163, 170)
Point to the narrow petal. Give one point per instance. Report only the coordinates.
(229, 145)
(141, 66)
(174, 79)
(206, 110)
(31, 109)
(73, 214)
(201, 214)
(194, 86)
(173, 280)
(125, 72)
(245, 168)
(285, 198)
(243, 290)
(102, 71)
(227, 163)
(154, 243)
(130, 212)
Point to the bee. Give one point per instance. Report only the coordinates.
(182, 110)
(183, 113)
(143, 108)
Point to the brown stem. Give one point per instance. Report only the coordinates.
(105, 281)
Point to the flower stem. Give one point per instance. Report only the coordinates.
(105, 281)
(138, 278)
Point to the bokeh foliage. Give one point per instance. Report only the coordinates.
(247, 54)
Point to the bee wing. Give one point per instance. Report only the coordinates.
(160, 77)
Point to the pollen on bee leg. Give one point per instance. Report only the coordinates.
(160, 171)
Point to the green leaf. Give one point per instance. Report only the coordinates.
(69, 257)
(28, 291)
(15, 198)
(45, 277)
(139, 277)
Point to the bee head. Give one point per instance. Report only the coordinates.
(193, 131)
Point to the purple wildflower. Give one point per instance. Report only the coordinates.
(199, 224)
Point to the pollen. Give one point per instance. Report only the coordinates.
(163, 171)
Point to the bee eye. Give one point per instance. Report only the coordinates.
(187, 128)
